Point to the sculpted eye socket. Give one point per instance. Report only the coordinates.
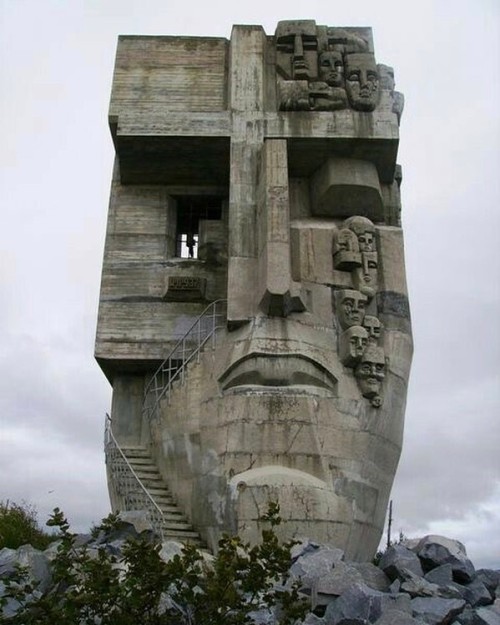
(372, 76)
(353, 77)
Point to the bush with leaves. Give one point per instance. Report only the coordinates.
(91, 587)
(19, 526)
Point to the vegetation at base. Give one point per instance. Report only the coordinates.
(92, 587)
(19, 526)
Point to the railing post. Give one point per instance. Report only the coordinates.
(198, 347)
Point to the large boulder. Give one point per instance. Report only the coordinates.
(34, 561)
(315, 564)
(435, 610)
(397, 559)
(435, 551)
(360, 604)
(372, 576)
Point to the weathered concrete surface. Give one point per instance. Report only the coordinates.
(279, 153)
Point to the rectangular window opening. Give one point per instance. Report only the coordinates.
(190, 209)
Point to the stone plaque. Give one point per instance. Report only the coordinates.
(185, 289)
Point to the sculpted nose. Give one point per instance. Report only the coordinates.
(363, 80)
(298, 48)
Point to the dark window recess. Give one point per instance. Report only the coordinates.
(190, 209)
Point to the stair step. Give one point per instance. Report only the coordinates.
(137, 452)
(178, 527)
(181, 533)
(169, 517)
(169, 510)
(161, 491)
(146, 468)
(151, 478)
(175, 525)
(145, 460)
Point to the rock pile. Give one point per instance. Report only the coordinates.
(422, 582)
(428, 581)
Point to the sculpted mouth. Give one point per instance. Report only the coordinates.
(283, 370)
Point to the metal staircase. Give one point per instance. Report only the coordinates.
(136, 481)
(139, 486)
(202, 333)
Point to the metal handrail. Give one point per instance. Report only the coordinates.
(128, 484)
(203, 329)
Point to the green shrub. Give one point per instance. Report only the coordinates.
(19, 526)
(140, 588)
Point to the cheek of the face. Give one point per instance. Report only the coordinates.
(379, 371)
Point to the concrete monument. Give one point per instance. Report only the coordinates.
(253, 319)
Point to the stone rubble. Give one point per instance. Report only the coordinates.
(429, 582)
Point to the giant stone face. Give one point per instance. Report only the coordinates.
(258, 371)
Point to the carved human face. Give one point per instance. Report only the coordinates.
(373, 327)
(345, 250)
(386, 75)
(296, 44)
(351, 308)
(371, 371)
(362, 82)
(366, 241)
(331, 68)
(352, 345)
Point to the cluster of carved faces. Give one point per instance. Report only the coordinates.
(343, 73)
(354, 250)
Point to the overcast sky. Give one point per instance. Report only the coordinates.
(56, 156)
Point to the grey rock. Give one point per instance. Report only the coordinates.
(476, 594)
(490, 578)
(312, 619)
(451, 591)
(311, 566)
(262, 617)
(396, 617)
(436, 610)
(395, 587)
(359, 604)
(337, 581)
(435, 551)
(372, 576)
(51, 551)
(35, 561)
(397, 558)
(467, 616)
(169, 549)
(487, 616)
(441, 575)
(416, 586)
(303, 547)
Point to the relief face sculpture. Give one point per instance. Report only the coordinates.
(373, 327)
(353, 343)
(351, 307)
(296, 310)
(331, 68)
(362, 82)
(370, 372)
